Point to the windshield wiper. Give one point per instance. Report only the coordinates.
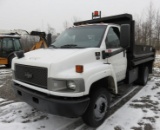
(68, 46)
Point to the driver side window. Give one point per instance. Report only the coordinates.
(113, 38)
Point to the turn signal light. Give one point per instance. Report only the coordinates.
(79, 68)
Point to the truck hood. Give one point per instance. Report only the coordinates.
(46, 57)
(61, 62)
(49, 55)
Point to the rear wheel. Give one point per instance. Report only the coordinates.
(143, 75)
(98, 108)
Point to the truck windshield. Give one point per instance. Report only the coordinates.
(80, 37)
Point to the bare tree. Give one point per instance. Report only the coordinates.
(138, 31)
(148, 29)
(157, 30)
(66, 24)
(150, 22)
(144, 33)
(51, 30)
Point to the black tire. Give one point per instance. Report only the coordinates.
(98, 107)
(10, 61)
(143, 75)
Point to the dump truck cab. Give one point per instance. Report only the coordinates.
(8, 45)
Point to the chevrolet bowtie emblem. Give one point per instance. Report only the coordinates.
(28, 75)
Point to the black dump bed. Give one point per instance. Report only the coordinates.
(136, 54)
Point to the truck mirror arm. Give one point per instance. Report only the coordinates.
(109, 54)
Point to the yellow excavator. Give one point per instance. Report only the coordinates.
(10, 42)
(42, 42)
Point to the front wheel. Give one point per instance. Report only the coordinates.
(98, 108)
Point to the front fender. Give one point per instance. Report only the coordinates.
(92, 72)
(99, 72)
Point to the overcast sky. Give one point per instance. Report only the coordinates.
(37, 14)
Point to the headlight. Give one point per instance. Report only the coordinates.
(66, 86)
(71, 85)
(58, 85)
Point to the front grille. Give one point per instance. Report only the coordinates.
(32, 75)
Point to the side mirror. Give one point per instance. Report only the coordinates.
(19, 54)
(125, 36)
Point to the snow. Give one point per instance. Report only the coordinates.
(5, 71)
(20, 116)
(1, 100)
(142, 112)
(138, 110)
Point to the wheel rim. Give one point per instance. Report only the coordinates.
(100, 107)
(146, 75)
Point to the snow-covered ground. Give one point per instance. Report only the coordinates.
(142, 112)
(19, 116)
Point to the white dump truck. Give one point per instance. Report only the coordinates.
(79, 72)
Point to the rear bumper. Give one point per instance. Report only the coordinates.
(54, 105)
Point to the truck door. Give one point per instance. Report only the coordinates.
(118, 61)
